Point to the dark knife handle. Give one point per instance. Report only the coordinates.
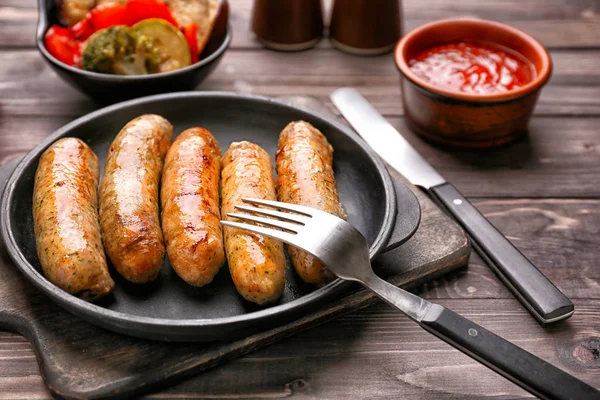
(544, 300)
(521, 367)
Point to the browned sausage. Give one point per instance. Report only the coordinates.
(256, 263)
(305, 177)
(65, 214)
(129, 198)
(190, 206)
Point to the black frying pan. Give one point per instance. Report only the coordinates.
(169, 309)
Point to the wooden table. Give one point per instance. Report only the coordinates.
(542, 192)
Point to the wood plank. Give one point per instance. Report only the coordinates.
(559, 157)
(383, 355)
(386, 356)
(19, 372)
(555, 23)
(19, 135)
(28, 87)
(571, 67)
(558, 236)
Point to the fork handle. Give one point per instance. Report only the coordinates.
(521, 367)
(526, 370)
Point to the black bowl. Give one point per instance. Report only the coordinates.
(107, 88)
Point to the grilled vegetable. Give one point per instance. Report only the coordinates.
(62, 45)
(201, 12)
(87, 19)
(164, 43)
(113, 51)
(127, 37)
(73, 11)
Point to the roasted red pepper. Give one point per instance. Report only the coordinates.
(61, 43)
(108, 14)
(139, 10)
(65, 44)
(100, 17)
(111, 14)
(190, 31)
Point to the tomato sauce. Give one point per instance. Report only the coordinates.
(473, 68)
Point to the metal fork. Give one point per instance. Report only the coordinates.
(344, 250)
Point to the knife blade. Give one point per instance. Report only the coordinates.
(539, 295)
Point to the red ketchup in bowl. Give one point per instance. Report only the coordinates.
(478, 68)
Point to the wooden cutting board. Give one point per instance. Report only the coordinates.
(80, 360)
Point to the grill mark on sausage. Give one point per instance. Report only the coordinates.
(66, 220)
(129, 212)
(190, 200)
(305, 177)
(256, 263)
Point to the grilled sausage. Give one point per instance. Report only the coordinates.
(190, 206)
(201, 12)
(129, 198)
(256, 263)
(305, 177)
(65, 215)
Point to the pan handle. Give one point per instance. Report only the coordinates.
(408, 216)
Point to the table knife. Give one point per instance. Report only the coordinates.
(544, 300)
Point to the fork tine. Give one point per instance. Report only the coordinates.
(266, 221)
(280, 235)
(307, 211)
(300, 219)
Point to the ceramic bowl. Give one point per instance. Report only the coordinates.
(106, 88)
(469, 120)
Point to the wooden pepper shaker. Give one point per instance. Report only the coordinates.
(365, 27)
(288, 25)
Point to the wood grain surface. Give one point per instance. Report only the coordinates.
(542, 192)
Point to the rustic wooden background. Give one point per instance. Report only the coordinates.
(543, 193)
